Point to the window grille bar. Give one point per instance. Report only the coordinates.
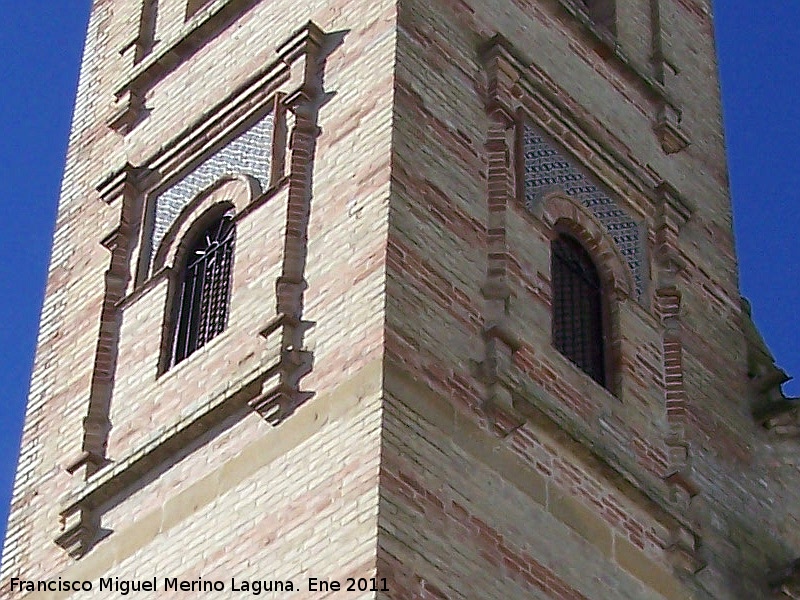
(577, 307)
(202, 311)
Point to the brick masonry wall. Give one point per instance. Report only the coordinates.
(317, 470)
(397, 466)
(437, 263)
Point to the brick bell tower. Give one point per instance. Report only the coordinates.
(424, 299)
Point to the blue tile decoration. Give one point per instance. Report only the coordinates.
(548, 170)
(248, 154)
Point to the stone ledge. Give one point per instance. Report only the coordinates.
(267, 384)
(496, 455)
(332, 406)
(781, 418)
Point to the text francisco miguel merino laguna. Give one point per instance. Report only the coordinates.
(254, 587)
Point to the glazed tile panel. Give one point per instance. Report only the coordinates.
(547, 170)
(248, 154)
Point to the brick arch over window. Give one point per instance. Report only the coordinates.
(197, 251)
(561, 214)
(228, 193)
(566, 219)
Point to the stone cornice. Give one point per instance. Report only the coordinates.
(667, 123)
(515, 84)
(198, 31)
(472, 438)
(332, 406)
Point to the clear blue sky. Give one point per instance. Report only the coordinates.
(40, 46)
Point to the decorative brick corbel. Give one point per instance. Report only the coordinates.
(668, 117)
(782, 419)
(502, 67)
(80, 527)
(673, 213)
(280, 393)
(129, 110)
(683, 552)
(303, 54)
(668, 129)
(500, 346)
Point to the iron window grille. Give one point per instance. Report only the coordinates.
(204, 297)
(577, 306)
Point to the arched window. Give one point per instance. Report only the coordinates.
(204, 293)
(577, 305)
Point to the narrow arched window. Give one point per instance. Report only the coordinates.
(577, 305)
(204, 294)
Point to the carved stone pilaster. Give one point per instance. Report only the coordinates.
(673, 213)
(303, 53)
(121, 190)
(499, 343)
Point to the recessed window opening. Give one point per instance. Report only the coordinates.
(204, 295)
(577, 306)
(194, 6)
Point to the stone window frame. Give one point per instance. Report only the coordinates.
(561, 215)
(229, 195)
(150, 254)
(200, 309)
(290, 85)
(601, 13)
(518, 92)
